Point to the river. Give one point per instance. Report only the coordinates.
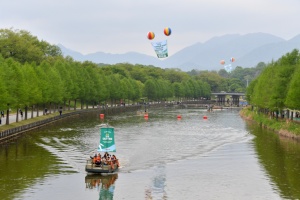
(162, 157)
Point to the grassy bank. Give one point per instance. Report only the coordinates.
(29, 121)
(284, 127)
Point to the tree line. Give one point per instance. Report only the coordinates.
(277, 88)
(35, 74)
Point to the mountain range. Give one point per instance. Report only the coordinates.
(248, 50)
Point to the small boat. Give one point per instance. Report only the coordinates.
(107, 144)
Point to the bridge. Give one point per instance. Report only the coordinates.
(234, 97)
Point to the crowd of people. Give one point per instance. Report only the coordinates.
(106, 159)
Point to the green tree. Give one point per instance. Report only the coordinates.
(4, 97)
(31, 87)
(23, 47)
(213, 79)
(278, 91)
(178, 91)
(150, 89)
(293, 95)
(223, 73)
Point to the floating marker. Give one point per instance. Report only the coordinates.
(101, 116)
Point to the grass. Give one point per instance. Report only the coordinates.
(28, 120)
(292, 127)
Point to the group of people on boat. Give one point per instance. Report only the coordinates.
(106, 159)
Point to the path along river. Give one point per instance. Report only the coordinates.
(221, 157)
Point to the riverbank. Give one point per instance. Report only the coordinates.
(13, 130)
(283, 127)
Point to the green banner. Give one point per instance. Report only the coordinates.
(107, 140)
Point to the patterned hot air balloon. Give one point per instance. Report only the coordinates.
(232, 59)
(167, 31)
(150, 35)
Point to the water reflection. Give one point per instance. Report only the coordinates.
(48, 163)
(104, 184)
(21, 164)
(157, 189)
(280, 158)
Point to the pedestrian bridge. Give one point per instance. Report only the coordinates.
(229, 97)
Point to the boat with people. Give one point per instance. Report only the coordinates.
(106, 163)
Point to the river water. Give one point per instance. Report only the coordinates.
(162, 157)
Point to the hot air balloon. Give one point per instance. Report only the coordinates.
(232, 59)
(167, 31)
(222, 62)
(150, 35)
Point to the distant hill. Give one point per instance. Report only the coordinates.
(248, 50)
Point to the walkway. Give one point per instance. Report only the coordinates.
(13, 117)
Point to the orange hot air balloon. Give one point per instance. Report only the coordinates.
(222, 62)
(150, 35)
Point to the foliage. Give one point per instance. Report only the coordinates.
(276, 125)
(23, 47)
(39, 75)
(277, 87)
(292, 100)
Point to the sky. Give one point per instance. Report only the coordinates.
(121, 26)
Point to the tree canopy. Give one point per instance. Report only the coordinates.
(277, 87)
(34, 72)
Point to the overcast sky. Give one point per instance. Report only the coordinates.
(120, 26)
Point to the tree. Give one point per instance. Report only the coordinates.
(23, 47)
(150, 90)
(137, 88)
(31, 86)
(4, 99)
(281, 78)
(293, 95)
(178, 91)
(223, 73)
(261, 91)
(212, 78)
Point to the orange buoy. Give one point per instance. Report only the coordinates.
(101, 116)
(204, 117)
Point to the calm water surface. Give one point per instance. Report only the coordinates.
(161, 158)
